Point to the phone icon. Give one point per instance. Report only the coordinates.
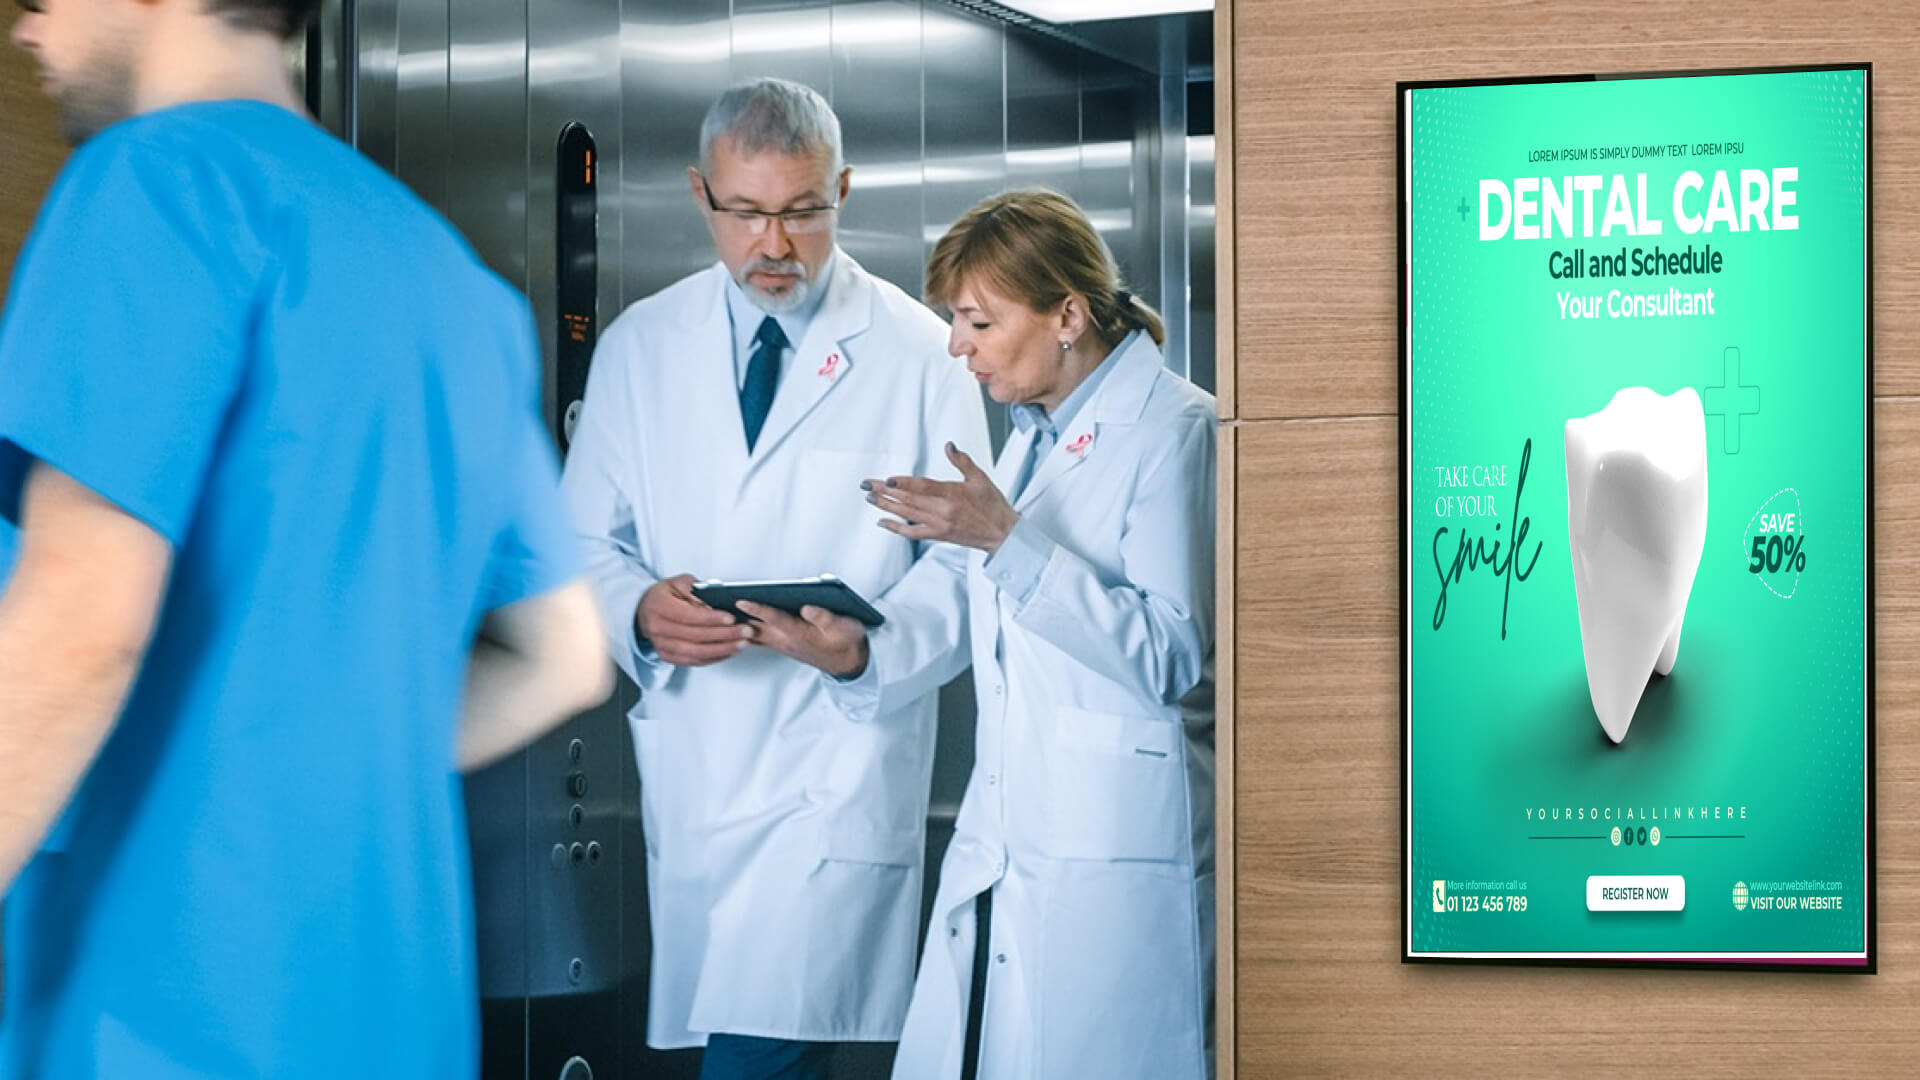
(1440, 896)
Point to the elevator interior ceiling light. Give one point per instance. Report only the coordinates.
(1072, 11)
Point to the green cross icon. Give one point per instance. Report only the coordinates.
(1731, 399)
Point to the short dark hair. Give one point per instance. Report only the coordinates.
(281, 18)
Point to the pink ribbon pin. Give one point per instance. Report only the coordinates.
(1079, 445)
(831, 366)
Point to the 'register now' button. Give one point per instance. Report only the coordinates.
(1636, 892)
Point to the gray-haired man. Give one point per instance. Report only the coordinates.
(730, 423)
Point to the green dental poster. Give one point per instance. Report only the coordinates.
(1637, 611)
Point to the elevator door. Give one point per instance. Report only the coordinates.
(487, 109)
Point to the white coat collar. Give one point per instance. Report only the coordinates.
(821, 360)
(1119, 399)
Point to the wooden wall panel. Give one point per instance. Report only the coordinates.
(30, 148)
(1226, 297)
(1314, 984)
(1314, 139)
(1226, 574)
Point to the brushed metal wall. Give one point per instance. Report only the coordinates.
(939, 108)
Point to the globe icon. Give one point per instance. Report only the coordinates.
(1740, 896)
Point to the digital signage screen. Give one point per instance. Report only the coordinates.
(1636, 519)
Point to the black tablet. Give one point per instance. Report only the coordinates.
(789, 596)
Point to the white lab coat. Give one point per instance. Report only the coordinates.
(784, 813)
(1090, 808)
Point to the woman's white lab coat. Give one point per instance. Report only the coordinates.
(1090, 809)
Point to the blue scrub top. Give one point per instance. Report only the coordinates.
(251, 339)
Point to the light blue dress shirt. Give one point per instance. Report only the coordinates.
(746, 318)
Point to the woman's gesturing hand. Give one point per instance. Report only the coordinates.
(970, 512)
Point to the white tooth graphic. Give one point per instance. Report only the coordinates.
(1636, 523)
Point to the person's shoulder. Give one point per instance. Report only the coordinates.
(163, 184)
(682, 302)
(1176, 426)
(902, 313)
(268, 177)
(169, 156)
(236, 144)
(199, 126)
(908, 322)
(1183, 400)
(649, 325)
(1176, 404)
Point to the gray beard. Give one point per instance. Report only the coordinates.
(791, 300)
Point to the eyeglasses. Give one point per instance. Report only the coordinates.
(799, 221)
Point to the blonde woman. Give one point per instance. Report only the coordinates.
(1072, 932)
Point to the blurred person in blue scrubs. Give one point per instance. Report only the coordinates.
(1072, 932)
(291, 555)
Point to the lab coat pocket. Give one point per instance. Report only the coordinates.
(878, 813)
(1116, 787)
(646, 756)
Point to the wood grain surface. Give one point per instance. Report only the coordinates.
(1225, 299)
(1314, 985)
(31, 151)
(1225, 576)
(1225, 570)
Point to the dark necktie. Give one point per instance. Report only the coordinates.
(763, 376)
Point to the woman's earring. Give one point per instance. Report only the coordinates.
(1065, 345)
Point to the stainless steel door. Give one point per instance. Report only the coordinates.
(465, 101)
